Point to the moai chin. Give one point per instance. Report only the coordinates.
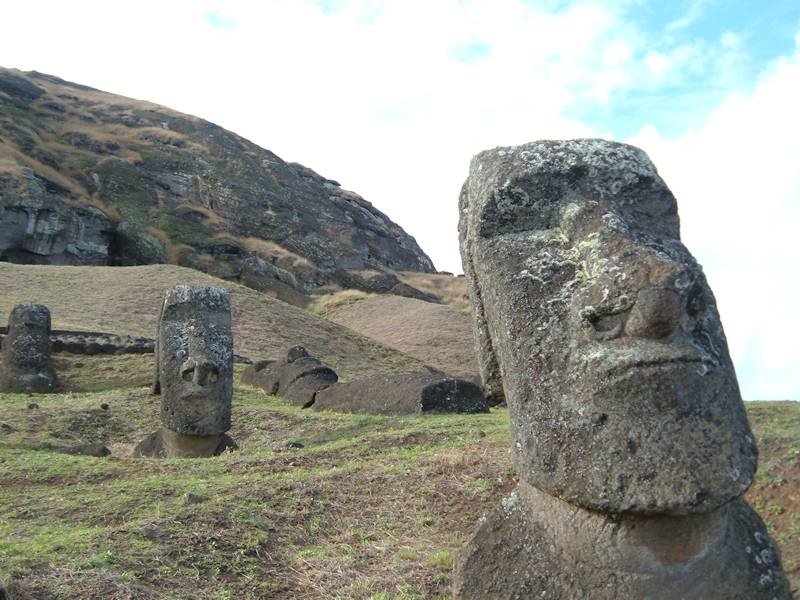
(625, 412)
(27, 362)
(193, 374)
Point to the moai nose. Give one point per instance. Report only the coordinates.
(655, 314)
(201, 373)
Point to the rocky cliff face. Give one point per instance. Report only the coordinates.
(88, 177)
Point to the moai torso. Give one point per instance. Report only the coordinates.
(194, 372)
(27, 363)
(603, 332)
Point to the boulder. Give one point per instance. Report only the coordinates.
(403, 394)
(296, 379)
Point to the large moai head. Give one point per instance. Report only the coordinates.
(194, 361)
(603, 330)
(27, 364)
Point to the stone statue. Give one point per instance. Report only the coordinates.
(628, 430)
(193, 374)
(27, 364)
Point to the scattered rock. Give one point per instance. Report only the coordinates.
(297, 378)
(190, 498)
(403, 394)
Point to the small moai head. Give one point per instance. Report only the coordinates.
(603, 330)
(296, 352)
(195, 361)
(27, 350)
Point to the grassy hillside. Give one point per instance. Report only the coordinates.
(368, 507)
(438, 335)
(126, 300)
(314, 505)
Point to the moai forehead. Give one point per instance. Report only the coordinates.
(603, 330)
(195, 360)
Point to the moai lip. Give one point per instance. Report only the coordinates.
(27, 362)
(194, 361)
(602, 330)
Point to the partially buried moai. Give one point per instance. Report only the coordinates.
(193, 374)
(629, 434)
(27, 362)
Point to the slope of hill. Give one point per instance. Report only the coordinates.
(435, 334)
(126, 300)
(88, 177)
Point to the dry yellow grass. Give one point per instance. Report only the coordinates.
(450, 289)
(10, 154)
(436, 334)
(267, 248)
(126, 300)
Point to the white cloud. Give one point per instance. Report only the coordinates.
(372, 95)
(738, 187)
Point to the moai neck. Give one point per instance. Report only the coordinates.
(177, 445)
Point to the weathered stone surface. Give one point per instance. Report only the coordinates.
(38, 227)
(134, 245)
(534, 545)
(297, 378)
(27, 364)
(403, 394)
(602, 329)
(168, 444)
(194, 361)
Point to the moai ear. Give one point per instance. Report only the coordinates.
(487, 359)
(156, 387)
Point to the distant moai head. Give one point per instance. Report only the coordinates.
(27, 365)
(296, 352)
(194, 361)
(603, 330)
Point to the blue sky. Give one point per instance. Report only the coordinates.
(393, 97)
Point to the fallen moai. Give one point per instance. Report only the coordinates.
(27, 363)
(629, 434)
(193, 375)
(297, 378)
(403, 394)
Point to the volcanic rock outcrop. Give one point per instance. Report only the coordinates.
(629, 434)
(88, 178)
(27, 364)
(403, 394)
(193, 375)
(297, 378)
